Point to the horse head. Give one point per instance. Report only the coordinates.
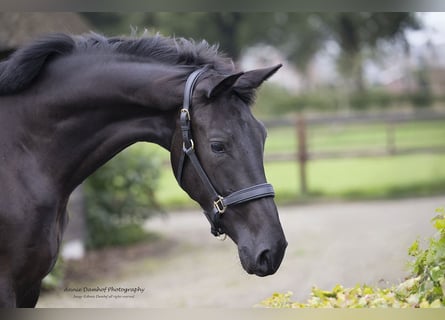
(224, 172)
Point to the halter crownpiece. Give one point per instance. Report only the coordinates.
(220, 203)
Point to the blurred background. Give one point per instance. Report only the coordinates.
(366, 90)
(356, 130)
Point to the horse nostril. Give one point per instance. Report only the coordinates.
(264, 260)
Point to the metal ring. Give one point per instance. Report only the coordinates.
(192, 146)
(221, 237)
(186, 112)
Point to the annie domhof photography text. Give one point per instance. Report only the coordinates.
(105, 292)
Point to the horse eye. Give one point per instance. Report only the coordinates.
(217, 147)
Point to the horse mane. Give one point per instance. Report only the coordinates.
(24, 65)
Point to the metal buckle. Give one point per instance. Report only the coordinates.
(219, 205)
(192, 146)
(186, 112)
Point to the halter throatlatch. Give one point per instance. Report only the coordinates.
(220, 203)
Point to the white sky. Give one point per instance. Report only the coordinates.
(434, 29)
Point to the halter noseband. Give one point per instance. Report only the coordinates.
(220, 203)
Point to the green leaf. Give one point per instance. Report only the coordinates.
(439, 224)
(442, 285)
(414, 248)
(436, 273)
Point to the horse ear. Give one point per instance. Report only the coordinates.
(253, 79)
(224, 85)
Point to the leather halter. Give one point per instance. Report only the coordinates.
(220, 203)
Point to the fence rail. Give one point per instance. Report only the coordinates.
(418, 115)
(303, 153)
(282, 157)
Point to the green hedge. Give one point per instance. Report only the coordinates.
(275, 100)
(119, 197)
(424, 289)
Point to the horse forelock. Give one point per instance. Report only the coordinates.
(24, 65)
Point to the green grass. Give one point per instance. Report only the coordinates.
(365, 178)
(344, 178)
(384, 177)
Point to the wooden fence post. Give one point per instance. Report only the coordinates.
(390, 138)
(302, 152)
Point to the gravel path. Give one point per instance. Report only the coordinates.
(329, 244)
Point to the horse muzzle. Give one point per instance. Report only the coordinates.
(264, 260)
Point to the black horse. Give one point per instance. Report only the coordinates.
(68, 104)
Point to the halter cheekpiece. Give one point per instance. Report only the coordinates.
(220, 203)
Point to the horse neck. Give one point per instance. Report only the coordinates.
(82, 114)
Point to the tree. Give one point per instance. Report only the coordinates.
(300, 36)
(358, 33)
